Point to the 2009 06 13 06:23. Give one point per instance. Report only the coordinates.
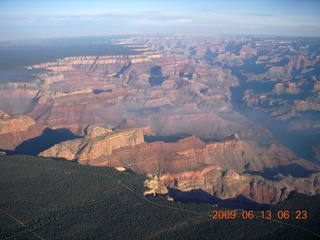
(268, 214)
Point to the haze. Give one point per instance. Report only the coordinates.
(157, 119)
(32, 19)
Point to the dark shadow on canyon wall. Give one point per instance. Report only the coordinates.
(98, 91)
(48, 138)
(62, 160)
(170, 138)
(294, 170)
(200, 196)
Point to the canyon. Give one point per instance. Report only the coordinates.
(219, 114)
(222, 169)
(17, 129)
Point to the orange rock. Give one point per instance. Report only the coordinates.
(16, 129)
(99, 142)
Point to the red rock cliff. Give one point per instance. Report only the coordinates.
(15, 129)
(99, 142)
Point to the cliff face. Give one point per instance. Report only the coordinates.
(312, 103)
(17, 98)
(15, 129)
(230, 184)
(219, 168)
(193, 154)
(18, 123)
(281, 88)
(116, 90)
(155, 186)
(179, 87)
(98, 143)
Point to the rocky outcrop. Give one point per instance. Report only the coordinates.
(311, 104)
(115, 90)
(15, 129)
(230, 184)
(17, 123)
(197, 97)
(98, 143)
(156, 187)
(191, 153)
(281, 88)
(217, 167)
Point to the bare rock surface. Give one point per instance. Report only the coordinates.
(15, 129)
(102, 142)
(234, 108)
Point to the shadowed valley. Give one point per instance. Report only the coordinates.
(235, 118)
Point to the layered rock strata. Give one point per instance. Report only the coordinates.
(15, 129)
(219, 168)
(98, 143)
(174, 87)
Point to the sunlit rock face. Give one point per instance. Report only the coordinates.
(15, 129)
(98, 143)
(216, 113)
(230, 185)
(219, 168)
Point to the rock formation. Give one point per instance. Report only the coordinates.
(230, 184)
(219, 168)
(98, 143)
(155, 186)
(196, 94)
(15, 129)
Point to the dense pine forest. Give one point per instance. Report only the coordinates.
(42, 198)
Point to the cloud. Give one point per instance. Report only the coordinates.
(161, 21)
(128, 17)
(259, 15)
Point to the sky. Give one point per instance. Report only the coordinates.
(33, 19)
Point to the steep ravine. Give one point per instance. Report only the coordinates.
(299, 141)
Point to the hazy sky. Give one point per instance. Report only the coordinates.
(25, 19)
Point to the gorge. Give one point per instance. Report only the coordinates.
(230, 117)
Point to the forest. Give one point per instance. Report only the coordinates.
(42, 198)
